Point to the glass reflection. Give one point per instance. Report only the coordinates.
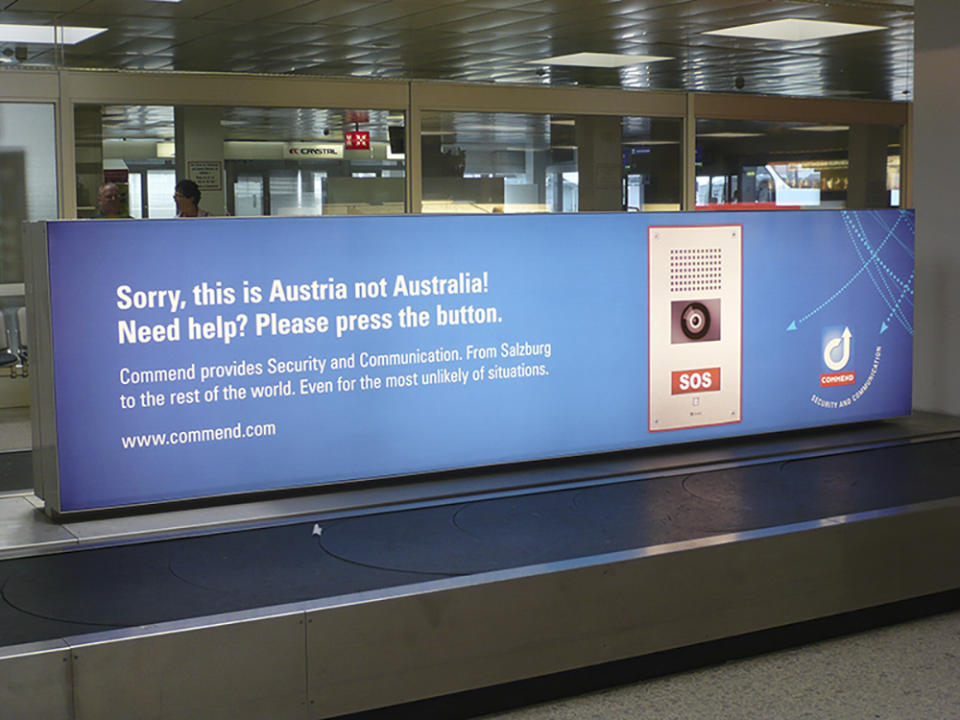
(246, 160)
(769, 165)
(524, 162)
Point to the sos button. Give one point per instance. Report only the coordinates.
(695, 381)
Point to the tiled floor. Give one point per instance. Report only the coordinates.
(14, 429)
(908, 671)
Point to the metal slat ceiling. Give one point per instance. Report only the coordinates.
(491, 41)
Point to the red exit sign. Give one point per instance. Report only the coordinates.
(356, 140)
(356, 116)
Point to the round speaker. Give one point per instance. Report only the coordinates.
(695, 320)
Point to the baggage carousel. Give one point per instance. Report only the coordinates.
(369, 595)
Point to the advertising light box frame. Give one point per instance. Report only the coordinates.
(175, 360)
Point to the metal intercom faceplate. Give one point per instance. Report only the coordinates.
(696, 295)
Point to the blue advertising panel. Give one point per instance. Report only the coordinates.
(218, 356)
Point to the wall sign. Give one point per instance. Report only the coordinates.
(207, 174)
(312, 151)
(236, 355)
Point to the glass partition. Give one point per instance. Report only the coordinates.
(28, 178)
(28, 191)
(283, 161)
(652, 163)
(245, 160)
(749, 164)
(475, 162)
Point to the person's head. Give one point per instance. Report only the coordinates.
(108, 200)
(187, 197)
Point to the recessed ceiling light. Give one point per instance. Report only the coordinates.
(729, 135)
(47, 34)
(601, 60)
(823, 128)
(794, 30)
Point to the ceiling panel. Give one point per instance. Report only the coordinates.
(45, 6)
(321, 11)
(491, 39)
(251, 10)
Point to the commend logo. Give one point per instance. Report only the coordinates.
(837, 350)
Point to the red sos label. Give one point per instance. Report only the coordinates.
(696, 381)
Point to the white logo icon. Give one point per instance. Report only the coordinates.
(829, 351)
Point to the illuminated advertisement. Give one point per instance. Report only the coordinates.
(232, 355)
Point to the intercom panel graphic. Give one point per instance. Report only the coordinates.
(696, 292)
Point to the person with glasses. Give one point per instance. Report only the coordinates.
(187, 197)
(110, 203)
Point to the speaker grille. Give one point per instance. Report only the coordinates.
(695, 270)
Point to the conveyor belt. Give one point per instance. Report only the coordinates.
(72, 593)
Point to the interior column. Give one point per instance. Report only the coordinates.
(599, 162)
(199, 151)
